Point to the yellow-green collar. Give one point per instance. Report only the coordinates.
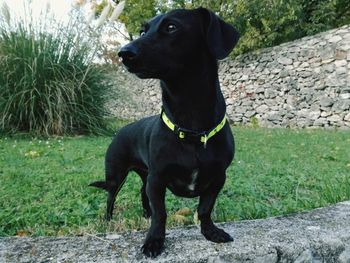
(184, 134)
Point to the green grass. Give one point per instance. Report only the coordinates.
(44, 182)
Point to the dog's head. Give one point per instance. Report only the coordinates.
(170, 43)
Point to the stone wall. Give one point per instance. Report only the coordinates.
(305, 83)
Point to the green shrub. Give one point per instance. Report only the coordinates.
(49, 83)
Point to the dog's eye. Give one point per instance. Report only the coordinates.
(171, 28)
(142, 33)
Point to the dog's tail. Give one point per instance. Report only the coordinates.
(100, 184)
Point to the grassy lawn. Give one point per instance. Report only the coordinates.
(44, 182)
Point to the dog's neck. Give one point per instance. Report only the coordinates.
(194, 101)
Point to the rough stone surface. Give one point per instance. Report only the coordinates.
(270, 86)
(321, 235)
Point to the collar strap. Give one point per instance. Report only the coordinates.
(190, 135)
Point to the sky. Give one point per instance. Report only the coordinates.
(59, 7)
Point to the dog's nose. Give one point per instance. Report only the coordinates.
(128, 53)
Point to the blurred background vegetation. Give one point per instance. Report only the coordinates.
(50, 81)
(55, 77)
(261, 23)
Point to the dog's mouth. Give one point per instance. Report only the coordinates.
(136, 70)
(133, 69)
(139, 71)
(142, 74)
(131, 66)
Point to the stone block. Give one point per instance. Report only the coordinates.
(285, 61)
(347, 117)
(313, 115)
(270, 93)
(333, 80)
(305, 74)
(326, 114)
(284, 73)
(334, 118)
(274, 116)
(340, 54)
(326, 102)
(341, 105)
(345, 96)
(327, 53)
(240, 109)
(328, 68)
(341, 70)
(262, 108)
(321, 122)
(340, 63)
(249, 114)
(335, 39)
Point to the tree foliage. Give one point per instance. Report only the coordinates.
(136, 12)
(261, 23)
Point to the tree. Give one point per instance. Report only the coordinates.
(136, 13)
(321, 15)
(264, 23)
(261, 23)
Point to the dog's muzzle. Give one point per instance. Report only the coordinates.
(128, 54)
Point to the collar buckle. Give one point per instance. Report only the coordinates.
(180, 132)
(189, 135)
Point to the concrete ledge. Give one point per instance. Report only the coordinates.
(321, 235)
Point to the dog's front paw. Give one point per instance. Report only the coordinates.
(153, 247)
(216, 234)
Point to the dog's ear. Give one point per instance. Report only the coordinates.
(220, 36)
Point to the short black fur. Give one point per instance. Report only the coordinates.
(181, 48)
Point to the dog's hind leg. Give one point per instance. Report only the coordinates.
(117, 165)
(144, 198)
(147, 212)
(115, 177)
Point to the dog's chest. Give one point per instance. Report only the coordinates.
(194, 176)
(188, 183)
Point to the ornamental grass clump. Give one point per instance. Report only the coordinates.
(49, 83)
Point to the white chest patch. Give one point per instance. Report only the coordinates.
(194, 176)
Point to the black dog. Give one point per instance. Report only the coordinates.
(188, 147)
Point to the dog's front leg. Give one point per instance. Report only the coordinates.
(154, 242)
(205, 207)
